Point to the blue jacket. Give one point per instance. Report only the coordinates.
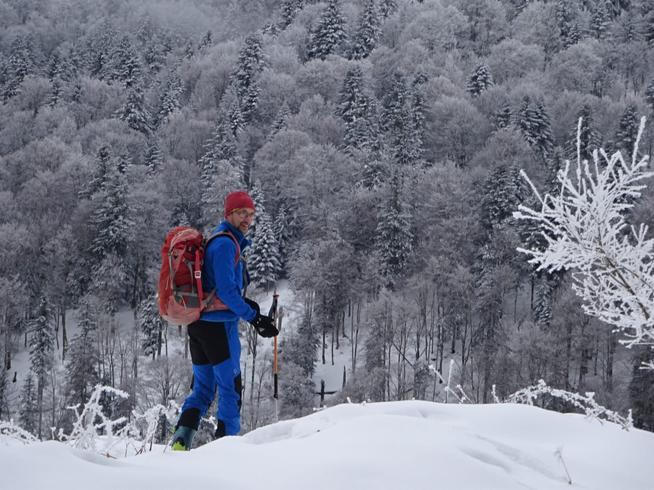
(218, 272)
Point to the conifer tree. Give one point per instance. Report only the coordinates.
(566, 17)
(354, 109)
(649, 95)
(153, 157)
(533, 121)
(28, 412)
(4, 386)
(18, 65)
(417, 113)
(290, 9)
(328, 34)
(387, 8)
(502, 118)
(600, 20)
(263, 257)
(135, 113)
(281, 121)
(625, 137)
(170, 99)
(41, 354)
(368, 31)
(479, 81)
(82, 364)
(394, 236)
(102, 163)
(649, 29)
(111, 216)
(244, 79)
(206, 41)
(126, 66)
(589, 137)
(151, 326)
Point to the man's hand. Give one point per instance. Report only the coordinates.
(264, 326)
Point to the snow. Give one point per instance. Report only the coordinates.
(393, 445)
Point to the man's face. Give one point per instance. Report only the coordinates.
(241, 219)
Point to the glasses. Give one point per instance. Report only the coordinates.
(243, 213)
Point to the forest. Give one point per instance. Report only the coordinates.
(382, 141)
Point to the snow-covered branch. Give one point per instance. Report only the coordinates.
(11, 431)
(586, 402)
(585, 231)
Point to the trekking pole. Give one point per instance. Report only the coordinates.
(273, 315)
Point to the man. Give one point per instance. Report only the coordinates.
(213, 340)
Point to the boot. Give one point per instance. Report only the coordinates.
(183, 438)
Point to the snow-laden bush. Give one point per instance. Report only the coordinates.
(585, 230)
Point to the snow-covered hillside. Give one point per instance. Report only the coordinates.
(396, 445)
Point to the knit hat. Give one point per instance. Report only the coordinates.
(237, 200)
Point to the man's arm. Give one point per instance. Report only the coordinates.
(221, 259)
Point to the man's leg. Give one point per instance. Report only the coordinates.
(208, 345)
(228, 378)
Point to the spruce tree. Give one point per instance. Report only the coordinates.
(170, 99)
(328, 34)
(281, 121)
(28, 411)
(206, 41)
(18, 65)
(263, 257)
(589, 137)
(502, 118)
(151, 326)
(394, 236)
(354, 109)
(102, 163)
(153, 157)
(290, 9)
(533, 121)
(135, 113)
(41, 353)
(649, 29)
(641, 390)
(244, 79)
(387, 8)
(649, 95)
(418, 116)
(82, 364)
(625, 137)
(479, 81)
(368, 31)
(600, 20)
(126, 66)
(4, 388)
(568, 24)
(111, 216)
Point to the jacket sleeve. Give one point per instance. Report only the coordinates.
(221, 257)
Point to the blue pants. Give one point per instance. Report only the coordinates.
(216, 356)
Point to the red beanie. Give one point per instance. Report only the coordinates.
(237, 200)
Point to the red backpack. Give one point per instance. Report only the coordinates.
(180, 293)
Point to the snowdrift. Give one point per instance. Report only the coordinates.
(396, 445)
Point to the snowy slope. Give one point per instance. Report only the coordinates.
(396, 445)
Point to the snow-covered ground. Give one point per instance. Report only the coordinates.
(396, 445)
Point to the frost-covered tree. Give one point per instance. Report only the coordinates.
(153, 157)
(329, 32)
(170, 98)
(600, 20)
(566, 16)
(82, 364)
(534, 123)
(649, 95)
(249, 65)
(28, 412)
(126, 66)
(263, 258)
(289, 10)
(18, 66)
(479, 81)
(394, 235)
(584, 229)
(134, 112)
(41, 354)
(4, 388)
(355, 109)
(502, 118)
(625, 136)
(590, 139)
(368, 31)
(151, 326)
(387, 8)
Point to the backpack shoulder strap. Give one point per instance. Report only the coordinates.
(232, 237)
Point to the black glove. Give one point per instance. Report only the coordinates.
(264, 326)
(252, 304)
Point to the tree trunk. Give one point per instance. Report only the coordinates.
(64, 333)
